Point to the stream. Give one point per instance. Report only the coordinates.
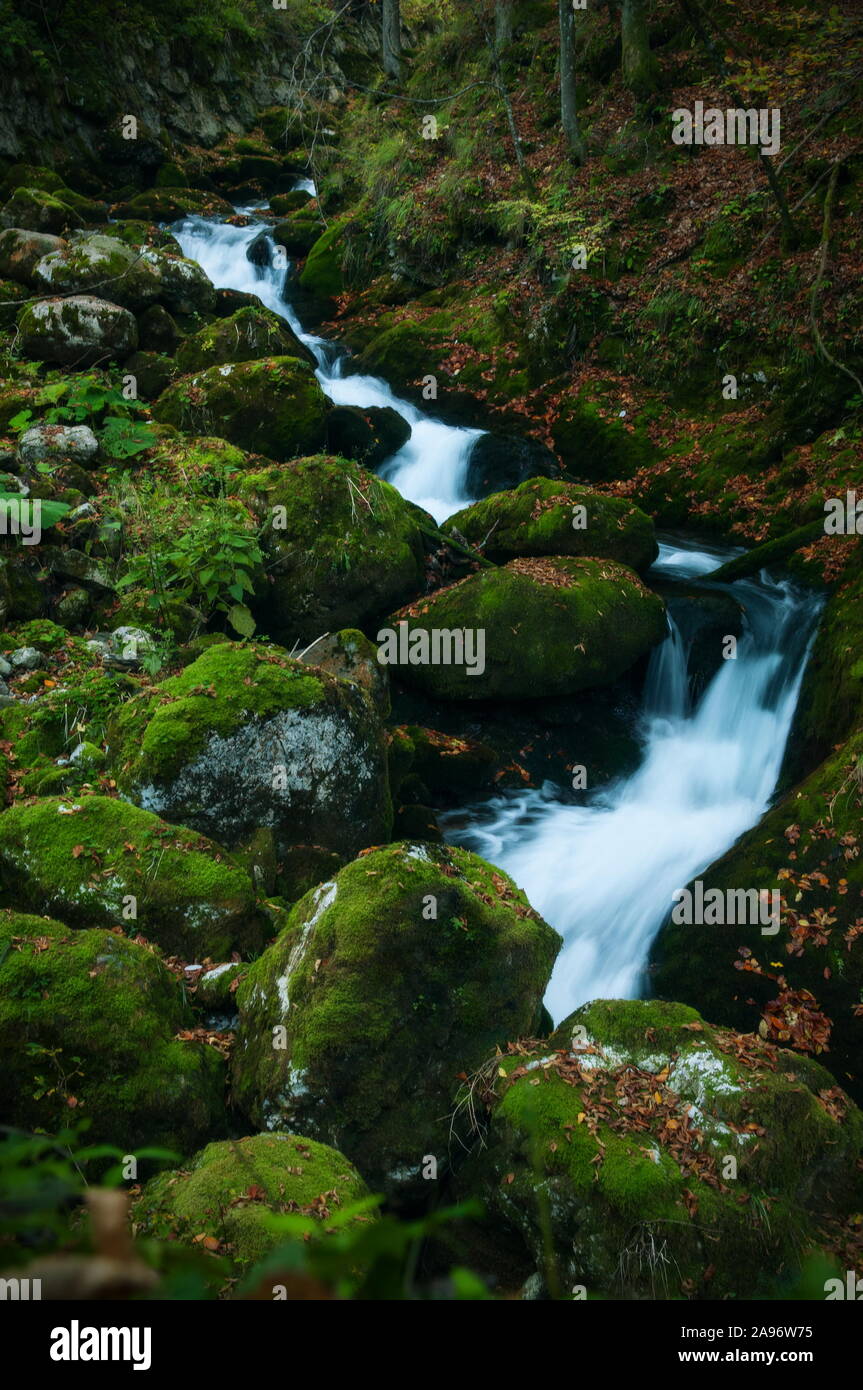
(603, 872)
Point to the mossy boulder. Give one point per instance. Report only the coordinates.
(342, 546)
(537, 627)
(352, 657)
(184, 287)
(245, 738)
(594, 442)
(297, 234)
(273, 406)
(388, 981)
(30, 176)
(322, 276)
(97, 861)
(94, 262)
(284, 203)
(88, 1025)
(543, 517)
(245, 336)
(21, 251)
(171, 204)
(79, 330)
(39, 211)
(643, 1153)
(229, 1190)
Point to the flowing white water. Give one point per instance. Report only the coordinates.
(603, 872)
(431, 468)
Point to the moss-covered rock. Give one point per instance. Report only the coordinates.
(88, 1024)
(596, 444)
(546, 626)
(246, 738)
(97, 861)
(95, 262)
(543, 517)
(342, 546)
(76, 331)
(21, 251)
(247, 335)
(297, 234)
(322, 274)
(387, 982)
(170, 204)
(39, 211)
(643, 1153)
(273, 406)
(229, 1190)
(351, 656)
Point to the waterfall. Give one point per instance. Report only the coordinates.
(603, 872)
(431, 468)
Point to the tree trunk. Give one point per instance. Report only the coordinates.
(392, 39)
(568, 113)
(640, 68)
(503, 16)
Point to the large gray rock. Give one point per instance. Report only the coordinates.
(78, 331)
(57, 444)
(101, 264)
(21, 251)
(133, 277)
(247, 740)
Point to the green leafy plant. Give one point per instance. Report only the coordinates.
(91, 398)
(208, 557)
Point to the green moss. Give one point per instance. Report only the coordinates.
(539, 518)
(322, 273)
(39, 632)
(248, 335)
(372, 1052)
(594, 443)
(230, 1190)
(95, 861)
(343, 546)
(87, 1020)
(160, 732)
(553, 626)
(609, 1152)
(273, 406)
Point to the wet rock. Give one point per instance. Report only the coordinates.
(499, 461)
(367, 435)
